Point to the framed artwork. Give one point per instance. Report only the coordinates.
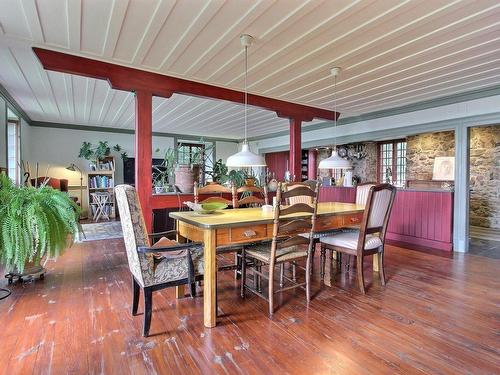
(444, 168)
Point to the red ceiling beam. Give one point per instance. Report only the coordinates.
(130, 79)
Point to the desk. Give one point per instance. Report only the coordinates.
(233, 227)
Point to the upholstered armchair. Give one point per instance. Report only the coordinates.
(154, 266)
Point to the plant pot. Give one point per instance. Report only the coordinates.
(185, 177)
(250, 181)
(160, 189)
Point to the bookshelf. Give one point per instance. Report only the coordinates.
(101, 179)
(304, 165)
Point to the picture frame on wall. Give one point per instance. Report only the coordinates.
(444, 168)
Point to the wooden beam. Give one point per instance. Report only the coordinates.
(143, 153)
(130, 79)
(296, 148)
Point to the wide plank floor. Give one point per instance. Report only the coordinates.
(436, 315)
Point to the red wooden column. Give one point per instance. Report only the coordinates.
(312, 173)
(295, 148)
(143, 153)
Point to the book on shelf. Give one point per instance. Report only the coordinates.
(101, 182)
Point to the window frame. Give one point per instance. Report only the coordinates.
(17, 123)
(394, 161)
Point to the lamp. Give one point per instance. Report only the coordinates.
(74, 168)
(246, 158)
(335, 161)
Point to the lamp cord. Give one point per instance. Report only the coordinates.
(246, 90)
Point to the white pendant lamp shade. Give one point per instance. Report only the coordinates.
(245, 158)
(335, 162)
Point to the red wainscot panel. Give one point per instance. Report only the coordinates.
(423, 218)
(337, 194)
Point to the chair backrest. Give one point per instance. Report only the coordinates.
(251, 196)
(377, 212)
(135, 234)
(362, 191)
(212, 188)
(286, 227)
(311, 184)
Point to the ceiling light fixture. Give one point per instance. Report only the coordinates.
(246, 158)
(335, 161)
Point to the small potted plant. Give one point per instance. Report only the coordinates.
(164, 173)
(35, 223)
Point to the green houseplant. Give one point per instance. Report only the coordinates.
(163, 174)
(34, 222)
(95, 153)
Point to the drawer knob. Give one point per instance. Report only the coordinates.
(354, 219)
(249, 233)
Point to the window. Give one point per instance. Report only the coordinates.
(392, 162)
(13, 150)
(196, 153)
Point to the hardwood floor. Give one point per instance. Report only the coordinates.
(436, 315)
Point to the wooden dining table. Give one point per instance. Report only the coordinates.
(245, 225)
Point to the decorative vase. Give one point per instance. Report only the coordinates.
(272, 185)
(185, 177)
(160, 189)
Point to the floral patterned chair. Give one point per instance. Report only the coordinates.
(161, 265)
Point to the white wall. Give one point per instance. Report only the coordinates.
(57, 148)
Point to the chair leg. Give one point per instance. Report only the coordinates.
(322, 263)
(361, 278)
(148, 309)
(294, 272)
(381, 270)
(136, 293)
(271, 290)
(193, 290)
(308, 277)
(312, 256)
(243, 273)
(237, 262)
(282, 274)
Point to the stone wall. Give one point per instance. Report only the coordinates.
(485, 176)
(421, 150)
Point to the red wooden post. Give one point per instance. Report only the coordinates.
(295, 148)
(312, 173)
(143, 153)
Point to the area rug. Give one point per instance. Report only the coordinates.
(101, 231)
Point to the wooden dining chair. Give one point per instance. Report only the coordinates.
(212, 188)
(163, 264)
(250, 196)
(370, 237)
(287, 245)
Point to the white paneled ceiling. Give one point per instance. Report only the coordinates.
(392, 52)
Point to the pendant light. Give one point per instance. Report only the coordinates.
(246, 158)
(335, 161)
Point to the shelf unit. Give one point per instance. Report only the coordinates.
(304, 165)
(102, 180)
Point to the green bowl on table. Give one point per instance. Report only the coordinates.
(211, 207)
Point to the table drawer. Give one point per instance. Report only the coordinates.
(353, 219)
(328, 222)
(243, 234)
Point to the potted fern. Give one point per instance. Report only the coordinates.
(34, 223)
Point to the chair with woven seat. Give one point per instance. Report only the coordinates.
(286, 246)
(370, 237)
(161, 265)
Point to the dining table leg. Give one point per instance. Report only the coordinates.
(210, 279)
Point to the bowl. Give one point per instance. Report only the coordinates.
(210, 207)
